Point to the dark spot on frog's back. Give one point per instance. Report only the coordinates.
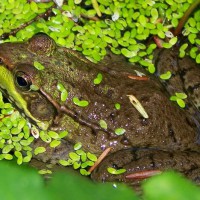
(194, 87)
(125, 141)
(144, 99)
(171, 132)
(144, 121)
(109, 93)
(58, 63)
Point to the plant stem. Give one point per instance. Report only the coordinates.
(185, 17)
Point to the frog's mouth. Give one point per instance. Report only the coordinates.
(7, 87)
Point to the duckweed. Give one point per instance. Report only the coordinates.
(98, 79)
(114, 171)
(103, 124)
(16, 136)
(39, 150)
(179, 98)
(79, 159)
(54, 143)
(198, 58)
(84, 172)
(53, 134)
(77, 146)
(63, 134)
(64, 93)
(81, 103)
(125, 24)
(34, 87)
(181, 95)
(64, 163)
(181, 103)
(38, 65)
(117, 106)
(74, 156)
(91, 157)
(166, 75)
(120, 131)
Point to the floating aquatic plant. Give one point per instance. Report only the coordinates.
(124, 27)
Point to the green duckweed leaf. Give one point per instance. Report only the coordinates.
(120, 131)
(166, 75)
(34, 7)
(173, 98)
(81, 103)
(183, 46)
(74, 156)
(8, 156)
(181, 53)
(53, 134)
(38, 65)
(34, 87)
(198, 58)
(128, 53)
(193, 52)
(55, 143)
(63, 134)
(103, 124)
(114, 171)
(181, 95)
(60, 87)
(173, 40)
(76, 165)
(64, 95)
(117, 106)
(64, 163)
(27, 159)
(39, 150)
(91, 156)
(7, 148)
(98, 79)
(84, 172)
(77, 146)
(181, 103)
(166, 45)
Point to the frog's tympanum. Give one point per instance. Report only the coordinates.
(147, 132)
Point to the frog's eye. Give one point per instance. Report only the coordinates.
(22, 81)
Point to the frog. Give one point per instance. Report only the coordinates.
(146, 132)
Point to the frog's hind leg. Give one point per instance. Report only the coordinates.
(144, 163)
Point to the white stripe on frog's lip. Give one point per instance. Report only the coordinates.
(7, 84)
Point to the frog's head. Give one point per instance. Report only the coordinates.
(18, 77)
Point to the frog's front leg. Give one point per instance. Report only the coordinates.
(144, 163)
(53, 155)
